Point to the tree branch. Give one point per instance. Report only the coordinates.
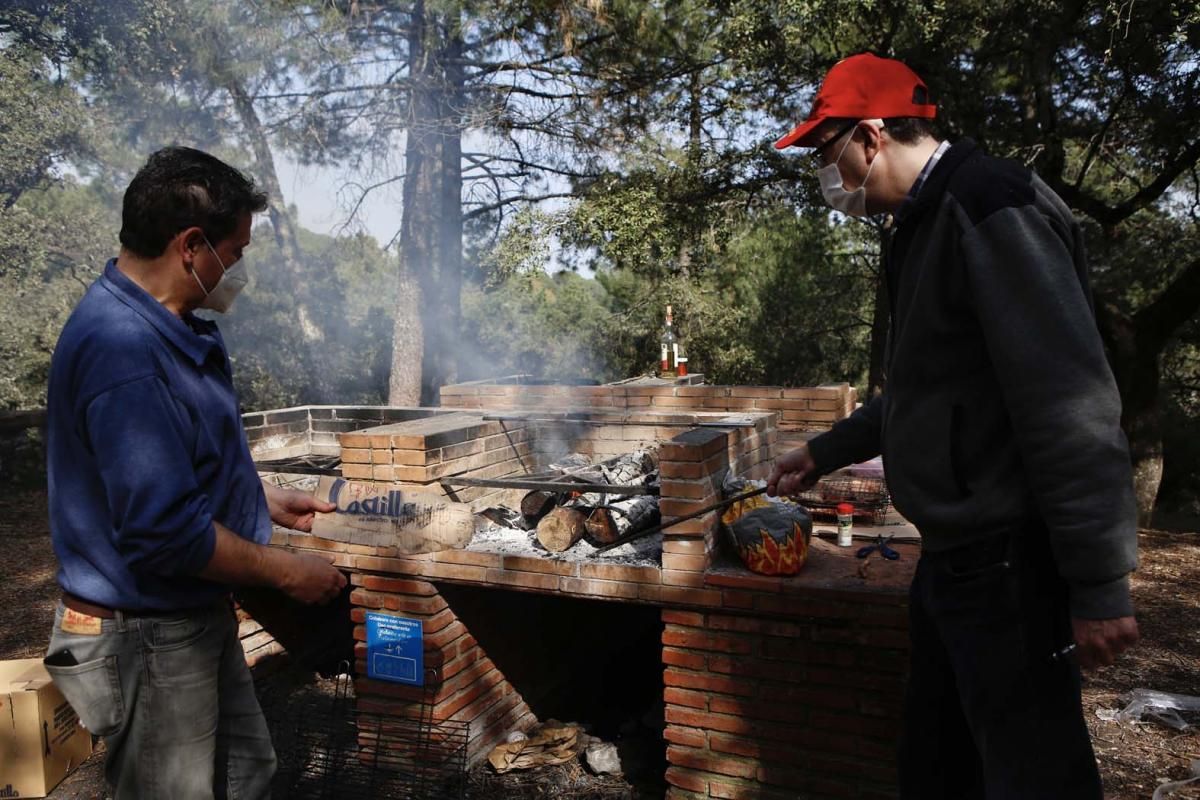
(365, 190)
(508, 201)
(1110, 215)
(1175, 305)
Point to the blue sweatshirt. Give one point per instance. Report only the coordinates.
(145, 450)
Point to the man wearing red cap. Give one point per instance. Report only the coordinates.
(1000, 432)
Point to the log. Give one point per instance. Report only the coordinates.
(608, 523)
(629, 470)
(561, 529)
(536, 505)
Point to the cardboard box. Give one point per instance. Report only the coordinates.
(41, 739)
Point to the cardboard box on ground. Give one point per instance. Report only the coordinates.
(41, 739)
(384, 515)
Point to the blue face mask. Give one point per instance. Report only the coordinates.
(833, 187)
(232, 281)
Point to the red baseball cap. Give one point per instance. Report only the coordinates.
(864, 86)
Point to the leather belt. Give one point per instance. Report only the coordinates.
(104, 612)
(84, 607)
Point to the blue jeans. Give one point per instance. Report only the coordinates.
(174, 701)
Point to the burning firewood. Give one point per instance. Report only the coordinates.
(610, 522)
(574, 467)
(561, 528)
(602, 519)
(627, 470)
(536, 505)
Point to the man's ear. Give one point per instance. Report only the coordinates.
(188, 242)
(872, 133)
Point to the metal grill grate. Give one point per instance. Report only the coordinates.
(302, 465)
(354, 754)
(868, 495)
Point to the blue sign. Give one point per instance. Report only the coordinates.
(395, 648)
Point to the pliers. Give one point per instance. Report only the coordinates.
(881, 544)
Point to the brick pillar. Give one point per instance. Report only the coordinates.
(691, 468)
(461, 682)
(775, 709)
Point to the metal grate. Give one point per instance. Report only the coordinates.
(354, 754)
(302, 465)
(868, 495)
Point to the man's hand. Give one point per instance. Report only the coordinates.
(292, 508)
(1100, 641)
(304, 577)
(310, 579)
(793, 473)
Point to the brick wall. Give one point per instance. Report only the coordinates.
(423, 451)
(314, 430)
(800, 408)
(775, 708)
(783, 688)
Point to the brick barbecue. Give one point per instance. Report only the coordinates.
(773, 687)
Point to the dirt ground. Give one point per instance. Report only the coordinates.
(1134, 759)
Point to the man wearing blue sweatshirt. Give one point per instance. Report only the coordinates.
(156, 509)
(1000, 433)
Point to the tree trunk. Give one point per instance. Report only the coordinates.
(432, 223)
(404, 379)
(445, 319)
(417, 296)
(1137, 374)
(1135, 347)
(695, 120)
(281, 220)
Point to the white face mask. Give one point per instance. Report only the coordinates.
(232, 281)
(833, 188)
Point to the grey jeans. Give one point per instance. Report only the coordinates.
(174, 701)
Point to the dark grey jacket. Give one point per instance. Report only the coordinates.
(1000, 405)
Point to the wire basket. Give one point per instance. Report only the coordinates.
(868, 495)
(354, 754)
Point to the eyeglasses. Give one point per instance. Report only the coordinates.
(817, 155)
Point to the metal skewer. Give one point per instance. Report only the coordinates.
(629, 537)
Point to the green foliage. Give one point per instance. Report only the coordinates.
(539, 324)
(779, 298)
(636, 220)
(60, 237)
(353, 284)
(785, 302)
(41, 122)
(522, 248)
